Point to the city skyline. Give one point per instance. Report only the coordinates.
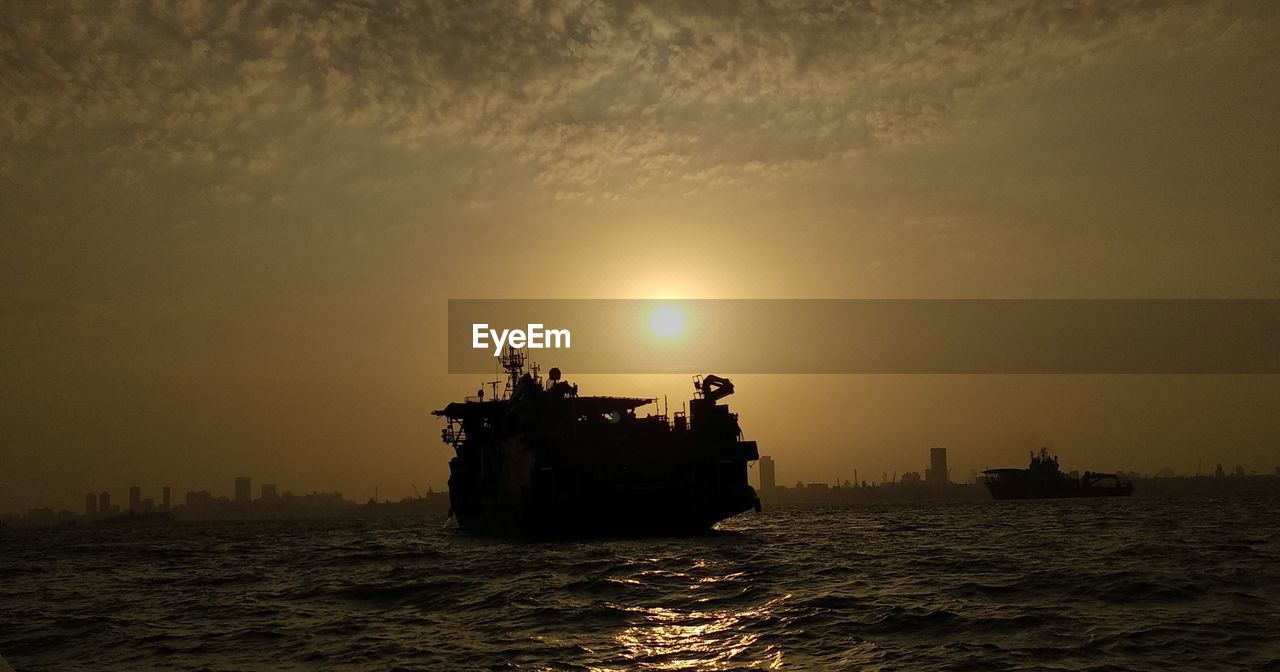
(138, 502)
(766, 464)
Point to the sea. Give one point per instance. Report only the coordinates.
(1104, 584)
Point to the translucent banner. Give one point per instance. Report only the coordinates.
(870, 335)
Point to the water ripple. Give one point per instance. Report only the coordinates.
(1107, 585)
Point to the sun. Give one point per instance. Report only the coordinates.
(666, 322)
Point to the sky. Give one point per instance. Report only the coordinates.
(230, 230)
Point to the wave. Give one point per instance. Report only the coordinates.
(921, 587)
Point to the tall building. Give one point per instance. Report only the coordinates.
(135, 499)
(244, 491)
(937, 473)
(268, 491)
(104, 502)
(90, 504)
(767, 474)
(165, 500)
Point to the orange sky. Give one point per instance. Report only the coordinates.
(230, 231)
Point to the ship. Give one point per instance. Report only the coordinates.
(540, 458)
(1044, 480)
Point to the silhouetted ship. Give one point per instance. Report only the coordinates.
(1044, 479)
(543, 459)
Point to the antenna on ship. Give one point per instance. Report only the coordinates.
(513, 361)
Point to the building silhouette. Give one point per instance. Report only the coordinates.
(199, 499)
(268, 491)
(135, 499)
(244, 491)
(90, 505)
(767, 474)
(937, 473)
(104, 502)
(165, 499)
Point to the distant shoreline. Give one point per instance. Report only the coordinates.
(435, 506)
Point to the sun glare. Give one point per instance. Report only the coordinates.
(666, 322)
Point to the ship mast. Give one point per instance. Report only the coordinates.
(512, 361)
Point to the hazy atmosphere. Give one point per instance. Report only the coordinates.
(230, 231)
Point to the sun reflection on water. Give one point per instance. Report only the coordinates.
(678, 639)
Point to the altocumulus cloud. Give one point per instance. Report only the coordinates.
(598, 99)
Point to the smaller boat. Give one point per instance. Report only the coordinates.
(1044, 480)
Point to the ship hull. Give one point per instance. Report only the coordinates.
(635, 513)
(648, 489)
(1064, 491)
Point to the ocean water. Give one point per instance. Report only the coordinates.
(1055, 585)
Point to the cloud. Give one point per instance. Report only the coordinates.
(600, 99)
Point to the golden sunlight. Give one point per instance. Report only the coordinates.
(666, 321)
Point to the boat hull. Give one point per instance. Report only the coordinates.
(637, 512)
(1056, 491)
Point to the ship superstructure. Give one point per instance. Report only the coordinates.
(539, 457)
